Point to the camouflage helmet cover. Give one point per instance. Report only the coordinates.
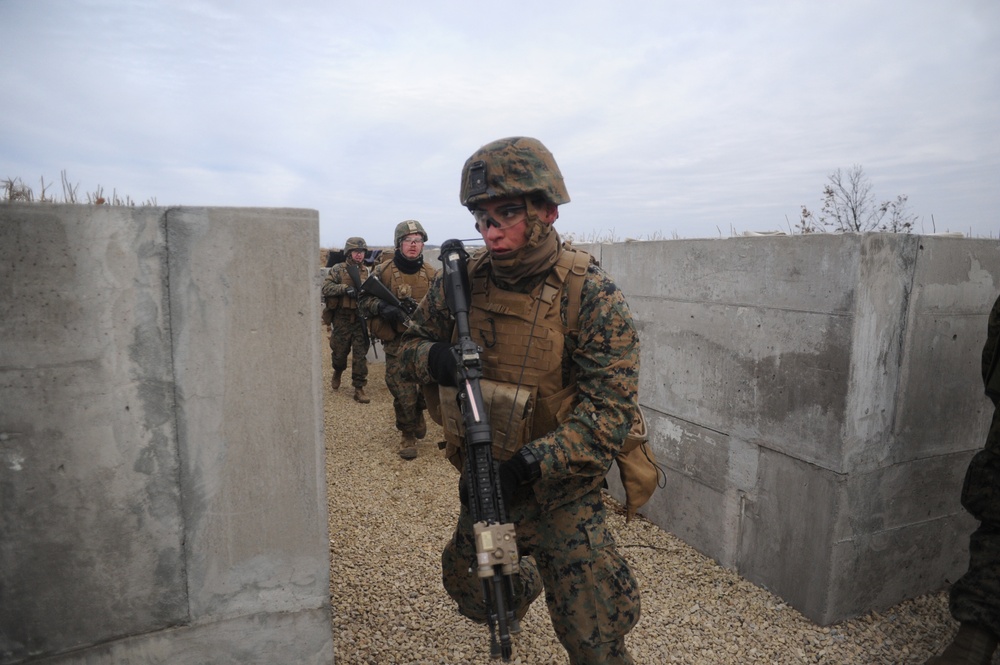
(409, 227)
(355, 243)
(514, 166)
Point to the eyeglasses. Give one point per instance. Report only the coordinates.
(412, 241)
(503, 217)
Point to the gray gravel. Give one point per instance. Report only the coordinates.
(389, 520)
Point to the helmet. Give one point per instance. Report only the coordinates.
(408, 227)
(355, 243)
(514, 166)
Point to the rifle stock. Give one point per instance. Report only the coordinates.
(496, 546)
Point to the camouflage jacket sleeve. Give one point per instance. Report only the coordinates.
(335, 285)
(367, 302)
(432, 322)
(604, 360)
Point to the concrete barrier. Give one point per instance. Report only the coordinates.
(815, 401)
(162, 477)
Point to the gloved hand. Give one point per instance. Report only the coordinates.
(391, 314)
(521, 469)
(442, 364)
(351, 293)
(409, 305)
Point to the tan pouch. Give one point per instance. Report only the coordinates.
(509, 409)
(382, 329)
(432, 397)
(637, 467)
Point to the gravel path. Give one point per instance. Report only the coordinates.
(389, 520)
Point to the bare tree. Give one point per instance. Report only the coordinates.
(900, 219)
(807, 222)
(849, 206)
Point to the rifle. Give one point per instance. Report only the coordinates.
(373, 286)
(355, 274)
(496, 547)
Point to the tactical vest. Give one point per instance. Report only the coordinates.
(522, 335)
(521, 355)
(402, 286)
(345, 301)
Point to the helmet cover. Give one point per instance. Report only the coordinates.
(514, 166)
(409, 227)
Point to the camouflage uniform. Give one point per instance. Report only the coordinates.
(975, 597)
(347, 332)
(581, 360)
(405, 279)
(592, 596)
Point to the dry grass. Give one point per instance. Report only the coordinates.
(17, 191)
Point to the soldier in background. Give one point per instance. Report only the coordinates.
(408, 278)
(347, 327)
(585, 379)
(975, 597)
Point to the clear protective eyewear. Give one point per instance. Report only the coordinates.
(416, 240)
(502, 218)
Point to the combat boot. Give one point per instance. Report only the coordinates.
(335, 379)
(972, 646)
(359, 396)
(408, 447)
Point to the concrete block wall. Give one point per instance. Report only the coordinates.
(162, 485)
(815, 401)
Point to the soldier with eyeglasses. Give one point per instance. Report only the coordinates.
(582, 376)
(408, 278)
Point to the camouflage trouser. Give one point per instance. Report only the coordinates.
(347, 336)
(407, 397)
(975, 597)
(592, 596)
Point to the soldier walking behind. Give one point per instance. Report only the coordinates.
(348, 333)
(408, 278)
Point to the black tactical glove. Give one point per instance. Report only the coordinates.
(442, 364)
(351, 293)
(463, 491)
(409, 305)
(521, 469)
(392, 314)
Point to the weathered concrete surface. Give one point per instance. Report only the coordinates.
(161, 485)
(815, 401)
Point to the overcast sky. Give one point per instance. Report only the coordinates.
(668, 118)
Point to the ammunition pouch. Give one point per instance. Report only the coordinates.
(509, 410)
(382, 329)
